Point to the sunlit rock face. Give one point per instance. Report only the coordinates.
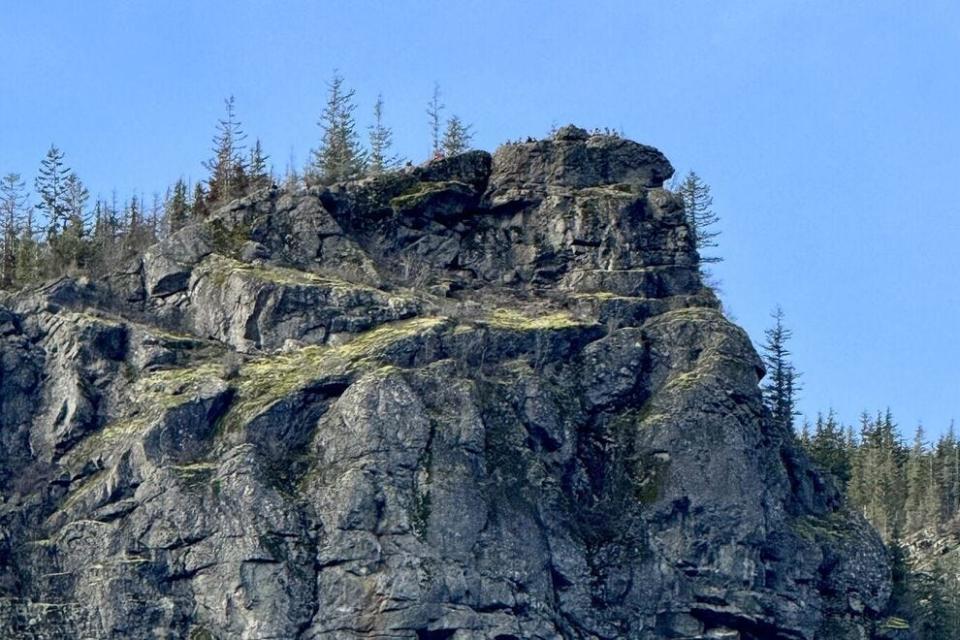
(484, 398)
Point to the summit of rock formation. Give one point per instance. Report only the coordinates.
(486, 398)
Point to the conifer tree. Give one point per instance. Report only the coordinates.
(228, 167)
(828, 448)
(70, 248)
(51, 191)
(198, 208)
(948, 472)
(339, 156)
(177, 208)
(434, 115)
(381, 142)
(260, 177)
(779, 391)
(13, 205)
(701, 219)
(917, 483)
(456, 137)
(900, 597)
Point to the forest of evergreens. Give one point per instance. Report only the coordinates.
(908, 490)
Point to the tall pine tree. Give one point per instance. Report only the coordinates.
(701, 218)
(780, 388)
(13, 205)
(51, 189)
(434, 117)
(177, 207)
(228, 167)
(456, 137)
(381, 143)
(339, 156)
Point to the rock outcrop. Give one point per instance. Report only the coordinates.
(484, 398)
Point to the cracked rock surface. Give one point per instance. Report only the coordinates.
(484, 398)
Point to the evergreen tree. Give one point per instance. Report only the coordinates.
(917, 483)
(829, 450)
(948, 472)
(931, 604)
(806, 439)
(106, 229)
(701, 219)
(456, 137)
(51, 189)
(69, 248)
(340, 156)
(381, 141)
(260, 177)
(900, 603)
(779, 391)
(434, 115)
(177, 208)
(13, 205)
(198, 208)
(228, 167)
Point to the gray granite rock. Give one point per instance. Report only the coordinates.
(484, 398)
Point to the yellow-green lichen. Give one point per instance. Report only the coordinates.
(152, 395)
(619, 190)
(220, 268)
(420, 191)
(263, 381)
(514, 320)
(604, 296)
(895, 623)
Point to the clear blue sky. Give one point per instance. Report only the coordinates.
(828, 131)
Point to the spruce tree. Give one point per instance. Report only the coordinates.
(828, 448)
(948, 472)
(13, 205)
(198, 208)
(434, 115)
(177, 208)
(50, 186)
(259, 177)
(339, 156)
(701, 219)
(381, 142)
(228, 167)
(70, 248)
(456, 137)
(780, 388)
(917, 483)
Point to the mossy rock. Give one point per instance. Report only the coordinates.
(221, 267)
(514, 320)
(261, 382)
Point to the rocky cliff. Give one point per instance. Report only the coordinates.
(484, 398)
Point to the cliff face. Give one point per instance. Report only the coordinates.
(486, 398)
